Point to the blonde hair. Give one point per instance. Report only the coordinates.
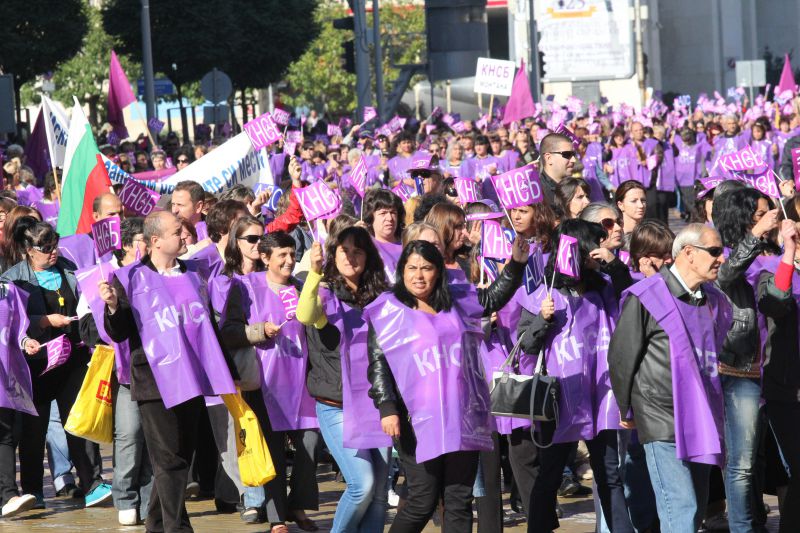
(414, 230)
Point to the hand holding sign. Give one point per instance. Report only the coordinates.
(58, 351)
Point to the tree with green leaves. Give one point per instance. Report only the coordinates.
(38, 35)
(318, 78)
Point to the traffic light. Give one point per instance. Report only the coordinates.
(349, 47)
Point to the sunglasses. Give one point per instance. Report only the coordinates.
(183, 160)
(608, 223)
(566, 154)
(713, 251)
(251, 239)
(47, 249)
(421, 174)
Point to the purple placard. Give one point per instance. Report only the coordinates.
(318, 200)
(106, 235)
(155, 125)
(494, 242)
(796, 165)
(394, 124)
(467, 190)
(429, 128)
(334, 130)
(625, 257)
(744, 159)
(289, 148)
(459, 127)
(563, 130)
(138, 198)
(295, 136)
(652, 162)
(58, 351)
(401, 192)
(262, 131)
(763, 182)
(288, 296)
(448, 119)
(518, 187)
(567, 257)
(534, 269)
(369, 113)
(112, 138)
(435, 114)
(280, 116)
(358, 177)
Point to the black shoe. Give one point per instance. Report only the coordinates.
(559, 511)
(253, 515)
(568, 486)
(224, 507)
(70, 491)
(583, 491)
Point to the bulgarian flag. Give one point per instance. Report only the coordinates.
(85, 177)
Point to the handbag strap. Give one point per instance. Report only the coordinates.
(514, 355)
(533, 424)
(541, 365)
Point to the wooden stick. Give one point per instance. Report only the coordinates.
(58, 186)
(552, 282)
(780, 195)
(491, 105)
(483, 273)
(149, 135)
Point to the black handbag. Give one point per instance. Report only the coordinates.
(534, 398)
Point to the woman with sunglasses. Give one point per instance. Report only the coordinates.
(259, 313)
(52, 306)
(609, 254)
(570, 324)
(744, 218)
(631, 198)
(331, 304)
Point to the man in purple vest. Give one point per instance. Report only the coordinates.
(170, 432)
(663, 368)
(187, 202)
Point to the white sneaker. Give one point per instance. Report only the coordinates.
(393, 498)
(584, 471)
(128, 517)
(18, 504)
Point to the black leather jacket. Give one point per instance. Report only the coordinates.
(639, 366)
(781, 381)
(742, 348)
(384, 391)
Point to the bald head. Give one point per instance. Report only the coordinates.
(106, 205)
(162, 233)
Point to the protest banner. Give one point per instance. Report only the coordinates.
(744, 159)
(567, 257)
(369, 113)
(334, 130)
(262, 131)
(318, 200)
(467, 190)
(294, 137)
(518, 187)
(280, 116)
(106, 234)
(494, 242)
(358, 177)
(138, 198)
(58, 351)
(534, 269)
(494, 76)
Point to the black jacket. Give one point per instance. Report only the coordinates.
(742, 347)
(548, 187)
(781, 381)
(384, 392)
(786, 170)
(639, 366)
(121, 326)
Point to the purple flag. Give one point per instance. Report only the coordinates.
(138, 198)
(520, 104)
(763, 182)
(318, 200)
(120, 96)
(280, 116)
(448, 119)
(744, 159)
(787, 77)
(334, 130)
(58, 351)
(467, 190)
(15, 375)
(345, 123)
(37, 152)
(155, 125)
(567, 257)
(288, 297)
(494, 243)
(459, 127)
(563, 130)
(518, 187)
(369, 113)
(696, 335)
(358, 177)
(172, 316)
(534, 269)
(435, 362)
(402, 192)
(262, 131)
(294, 136)
(106, 235)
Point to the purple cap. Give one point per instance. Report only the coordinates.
(709, 184)
(424, 161)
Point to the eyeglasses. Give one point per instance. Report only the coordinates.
(566, 154)
(608, 223)
(421, 174)
(713, 251)
(183, 160)
(47, 249)
(251, 239)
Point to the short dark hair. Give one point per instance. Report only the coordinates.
(650, 237)
(273, 240)
(130, 228)
(240, 193)
(195, 190)
(625, 187)
(221, 218)
(565, 192)
(551, 140)
(589, 235)
(377, 199)
(233, 256)
(440, 299)
(482, 139)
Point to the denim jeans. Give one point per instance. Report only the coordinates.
(57, 452)
(133, 473)
(742, 396)
(362, 507)
(681, 488)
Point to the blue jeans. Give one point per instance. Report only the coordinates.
(57, 452)
(681, 488)
(362, 508)
(742, 396)
(133, 473)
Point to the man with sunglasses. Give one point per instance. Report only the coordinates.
(556, 162)
(671, 328)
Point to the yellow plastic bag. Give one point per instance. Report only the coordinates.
(92, 416)
(255, 462)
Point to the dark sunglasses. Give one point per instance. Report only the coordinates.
(46, 249)
(608, 223)
(251, 239)
(566, 154)
(713, 251)
(421, 174)
(183, 160)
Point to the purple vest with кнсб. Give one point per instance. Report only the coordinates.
(181, 346)
(15, 376)
(696, 335)
(435, 362)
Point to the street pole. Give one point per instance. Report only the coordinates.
(362, 56)
(535, 77)
(637, 13)
(376, 39)
(147, 64)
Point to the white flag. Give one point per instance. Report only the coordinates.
(57, 131)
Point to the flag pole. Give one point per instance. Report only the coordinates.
(491, 105)
(780, 195)
(58, 185)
